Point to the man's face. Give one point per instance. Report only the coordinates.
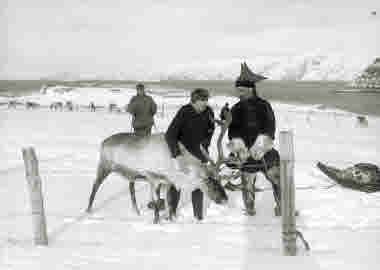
(140, 90)
(200, 105)
(244, 92)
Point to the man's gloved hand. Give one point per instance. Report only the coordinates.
(262, 145)
(180, 164)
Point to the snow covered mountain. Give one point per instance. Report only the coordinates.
(315, 66)
(302, 67)
(370, 77)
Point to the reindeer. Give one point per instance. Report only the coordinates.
(12, 104)
(92, 107)
(112, 107)
(138, 158)
(58, 105)
(69, 106)
(31, 105)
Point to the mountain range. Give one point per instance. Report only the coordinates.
(299, 67)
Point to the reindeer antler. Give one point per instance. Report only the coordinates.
(224, 124)
(206, 154)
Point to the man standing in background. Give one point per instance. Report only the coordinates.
(143, 108)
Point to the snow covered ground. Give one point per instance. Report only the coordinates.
(342, 226)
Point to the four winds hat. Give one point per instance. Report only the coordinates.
(247, 78)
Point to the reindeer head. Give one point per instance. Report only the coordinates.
(207, 174)
(215, 190)
(213, 180)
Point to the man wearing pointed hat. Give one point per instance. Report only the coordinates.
(253, 128)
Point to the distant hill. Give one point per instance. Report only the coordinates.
(305, 67)
(370, 77)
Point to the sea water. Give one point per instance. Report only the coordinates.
(321, 93)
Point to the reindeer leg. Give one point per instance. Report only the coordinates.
(155, 200)
(172, 197)
(275, 181)
(277, 198)
(248, 193)
(273, 176)
(133, 196)
(161, 201)
(101, 174)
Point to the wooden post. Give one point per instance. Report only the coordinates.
(288, 193)
(36, 198)
(163, 110)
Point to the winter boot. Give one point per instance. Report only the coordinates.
(197, 200)
(173, 197)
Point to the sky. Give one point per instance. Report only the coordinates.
(341, 225)
(45, 37)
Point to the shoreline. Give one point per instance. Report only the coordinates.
(327, 106)
(330, 94)
(338, 108)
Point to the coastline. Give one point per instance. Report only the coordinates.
(331, 94)
(299, 93)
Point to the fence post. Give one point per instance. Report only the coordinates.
(288, 193)
(163, 110)
(36, 198)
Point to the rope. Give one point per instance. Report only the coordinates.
(299, 235)
(306, 244)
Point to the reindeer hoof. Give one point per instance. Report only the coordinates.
(250, 212)
(137, 212)
(88, 210)
(161, 204)
(156, 220)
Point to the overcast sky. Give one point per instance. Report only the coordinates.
(50, 36)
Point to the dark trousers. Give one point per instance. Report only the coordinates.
(197, 201)
(143, 131)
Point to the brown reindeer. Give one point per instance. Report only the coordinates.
(138, 159)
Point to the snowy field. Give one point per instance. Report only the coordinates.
(342, 226)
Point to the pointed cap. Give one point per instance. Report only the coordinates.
(247, 78)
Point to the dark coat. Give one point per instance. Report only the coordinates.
(143, 108)
(191, 129)
(251, 117)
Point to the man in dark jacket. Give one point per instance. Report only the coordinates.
(193, 126)
(143, 108)
(253, 121)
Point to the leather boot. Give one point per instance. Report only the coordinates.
(197, 200)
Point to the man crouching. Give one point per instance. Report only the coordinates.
(192, 126)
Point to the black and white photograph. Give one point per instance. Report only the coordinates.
(161, 134)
